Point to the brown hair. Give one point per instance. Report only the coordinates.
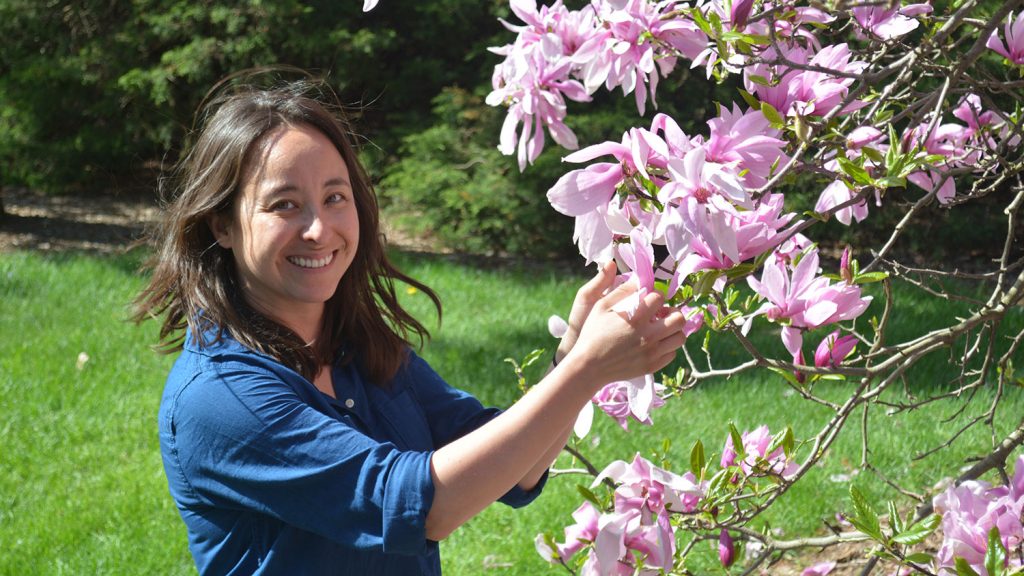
(194, 280)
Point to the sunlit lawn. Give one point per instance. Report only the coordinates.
(82, 489)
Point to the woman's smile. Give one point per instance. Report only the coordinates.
(312, 262)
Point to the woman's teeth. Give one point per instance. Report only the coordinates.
(310, 262)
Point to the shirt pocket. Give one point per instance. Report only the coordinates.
(407, 422)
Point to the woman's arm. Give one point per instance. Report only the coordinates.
(586, 297)
(476, 469)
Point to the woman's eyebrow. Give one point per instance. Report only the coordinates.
(339, 181)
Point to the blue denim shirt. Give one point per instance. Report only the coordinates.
(271, 476)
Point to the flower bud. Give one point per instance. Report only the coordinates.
(834, 349)
(799, 359)
(726, 548)
(740, 13)
(844, 267)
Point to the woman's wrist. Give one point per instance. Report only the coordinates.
(562, 350)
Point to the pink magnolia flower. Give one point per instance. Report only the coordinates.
(577, 535)
(640, 521)
(836, 194)
(535, 77)
(888, 21)
(805, 92)
(534, 83)
(863, 136)
(798, 359)
(969, 511)
(586, 193)
(636, 58)
(745, 142)
(804, 299)
(614, 400)
(644, 485)
(833, 349)
(706, 239)
(1013, 48)
(816, 93)
(755, 446)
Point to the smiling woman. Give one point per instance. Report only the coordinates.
(300, 434)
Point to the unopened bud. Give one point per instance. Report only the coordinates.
(726, 548)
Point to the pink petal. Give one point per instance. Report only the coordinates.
(581, 191)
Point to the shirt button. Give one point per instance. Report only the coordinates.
(350, 403)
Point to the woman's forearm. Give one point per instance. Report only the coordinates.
(514, 448)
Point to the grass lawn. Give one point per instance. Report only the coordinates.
(82, 489)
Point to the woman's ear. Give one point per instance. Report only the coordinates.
(220, 225)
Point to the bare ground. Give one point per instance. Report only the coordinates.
(100, 224)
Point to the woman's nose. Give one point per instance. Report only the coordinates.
(314, 226)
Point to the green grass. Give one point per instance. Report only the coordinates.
(82, 488)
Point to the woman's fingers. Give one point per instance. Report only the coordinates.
(596, 287)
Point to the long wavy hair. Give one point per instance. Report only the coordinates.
(193, 280)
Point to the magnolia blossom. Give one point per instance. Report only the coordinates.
(1013, 48)
(639, 522)
(805, 92)
(746, 143)
(888, 21)
(970, 511)
(534, 79)
(369, 5)
(802, 299)
(643, 46)
(755, 447)
(703, 238)
(614, 400)
(836, 194)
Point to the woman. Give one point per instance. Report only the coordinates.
(300, 434)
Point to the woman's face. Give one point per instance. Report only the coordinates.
(293, 229)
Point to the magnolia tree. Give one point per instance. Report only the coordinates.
(851, 100)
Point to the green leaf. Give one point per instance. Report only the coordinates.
(758, 79)
(866, 520)
(895, 522)
(778, 440)
(589, 496)
(873, 154)
(697, 459)
(719, 480)
(919, 558)
(891, 182)
(851, 169)
(532, 357)
(750, 99)
(789, 376)
(995, 553)
(917, 533)
(773, 116)
(869, 277)
(737, 442)
(963, 568)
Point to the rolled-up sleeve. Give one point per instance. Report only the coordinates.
(243, 439)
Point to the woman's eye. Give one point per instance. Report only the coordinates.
(282, 205)
(335, 198)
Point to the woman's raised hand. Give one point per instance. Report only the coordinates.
(611, 345)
